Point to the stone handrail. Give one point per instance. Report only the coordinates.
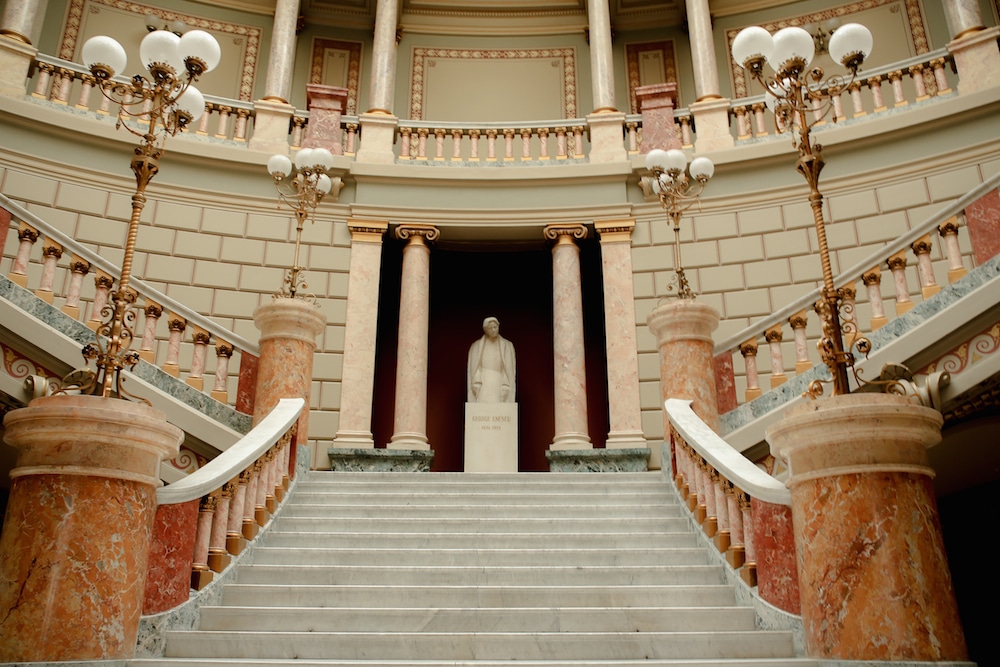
(891, 257)
(425, 141)
(207, 517)
(743, 510)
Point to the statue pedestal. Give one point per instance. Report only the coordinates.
(491, 437)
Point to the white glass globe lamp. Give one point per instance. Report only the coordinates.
(850, 45)
(104, 57)
(794, 49)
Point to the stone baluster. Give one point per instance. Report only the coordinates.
(350, 150)
(474, 145)
(508, 145)
(736, 555)
(632, 132)
(560, 143)
(543, 143)
(422, 133)
(203, 121)
(79, 268)
(711, 524)
(856, 102)
(687, 140)
(234, 527)
(223, 352)
(269, 475)
(298, 130)
(722, 535)
(749, 570)
(798, 322)
(571, 430)
(147, 104)
(42, 80)
(819, 118)
(60, 88)
(948, 230)
(838, 108)
(28, 236)
(759, 119)
(249, 526)
(940, 78)
(261, 489)
(87, 83)
(51, 253)
(526, 144)
(222, 129)
(103, 282)
(491, 145)
(896, 80)
(773, 337)
(410, 416)
(848, 313)
(104, 108)
(694, 481)
(201, 339)
(922, 249)
(897, 264)
(742, 124)
(201, 575)
(404, 142)
(176, 324)
(240, 129)
(218, 557)
(578, 142)
(153, 312)
(439, 144)
(873, 283)
(917, 75)
(456, 145)
(749, 351)
(875, 85)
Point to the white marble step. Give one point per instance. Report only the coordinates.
(512, 540)
(548, 525)
(507, 619)
(374, 496)
(483, 510)
(549, 575)
(669, 662)
(281, 595)
(508, 479)
(478, 557)
(469, 646)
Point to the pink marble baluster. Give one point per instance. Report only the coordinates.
(240, 130)
(560, 143)
(875, 85)
(201, 575)
(632, 130)
(758, 116)
(439, 144)
(897, 264)
(749, 352)
(27, 236)
(917, 75)
(352, 137)
(491, 145)
(896, 80)
(948, 230)
(51, 252)
(234, 528)
(422, 143)
(203, 121)
(578, 142)
(223, 352)
(261, 489)
(201, 339)
(940, 77)
(79, 268)
(722, 535)
(798, 322)
(218, 558)
(298, 125)
(474, 145)
(404, 142)
(711, 523)
(525, 144)
(249, 528)
(749, 570)
(456, 145)
(873, 282)
(856, 102)
(42, 80)
(103, 284)
(87, 83)
(508, 145)
(922, 249)
(543, 143)
(222, 130)
(153, 311)
(736, 555)
(773, 337)
(742, 123)
(177, 325)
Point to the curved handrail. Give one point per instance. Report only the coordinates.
(727, 461)
(875, 258)
(237, 458)
(21, 213)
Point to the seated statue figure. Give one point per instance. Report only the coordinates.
(491, 366)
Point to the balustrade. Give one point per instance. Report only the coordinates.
(514, 144)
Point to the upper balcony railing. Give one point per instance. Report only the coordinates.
(562, 141)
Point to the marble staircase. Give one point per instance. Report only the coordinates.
(433, 569)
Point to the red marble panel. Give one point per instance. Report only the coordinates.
(326, 105)
(4, 227)
(777, 573)
(246, 389)
(171, 555)
(656, 104)
(725, 382)
(73, 558)
(983, 221)
(873, 573)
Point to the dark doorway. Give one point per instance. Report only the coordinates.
(467, 285)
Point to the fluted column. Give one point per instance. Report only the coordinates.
(281, 63)
(410, 415)
(361, 322)
(624, 406)
(568, 345)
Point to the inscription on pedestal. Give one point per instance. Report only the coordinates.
(491, 437)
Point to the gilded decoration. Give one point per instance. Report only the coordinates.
(914, 17)
(187, 461)
(970, 352)
(316, 73)
(245, 36)
(21, 367)
(638, 55)
(423, 58)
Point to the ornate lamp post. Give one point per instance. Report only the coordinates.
(152, 109)
(797, 94)
(301, 185)
(678, 191)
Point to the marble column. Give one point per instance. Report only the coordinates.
(410, 414)
(568, 344)
(18, 19)
(602, 66)
(710, 110)
(624, 405)
(873, 575)
(683, 330)
(281, 63)
(75, 544)
(963, 17)
(16, 50)
(357, 385)
(288, 330)
(378, 125)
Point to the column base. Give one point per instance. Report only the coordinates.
(380, 460)
(351, 440)
(598, 460)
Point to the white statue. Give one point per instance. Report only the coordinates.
(491, 366)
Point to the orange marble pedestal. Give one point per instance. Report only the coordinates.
(288, 330)
(75, 543)
(873, 574)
